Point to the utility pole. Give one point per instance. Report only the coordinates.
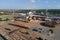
(13, 12)
(46, 13)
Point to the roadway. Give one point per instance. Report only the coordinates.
(57, 32)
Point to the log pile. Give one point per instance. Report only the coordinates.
(1, 25)
(50, 23)
(20, 24)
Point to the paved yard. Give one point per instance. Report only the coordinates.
(57, 32)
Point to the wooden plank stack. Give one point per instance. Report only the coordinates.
(20, 24)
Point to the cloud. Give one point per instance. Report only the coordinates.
(33, 1)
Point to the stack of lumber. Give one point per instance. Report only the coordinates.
(1, 25)
(49, 23)
(20, 24)
(34, 21)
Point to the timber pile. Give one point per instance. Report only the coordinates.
(20, 34)
(1, 25)
(20, 24)
(50, 23)
(34, 21)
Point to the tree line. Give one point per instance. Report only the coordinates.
(50, 11)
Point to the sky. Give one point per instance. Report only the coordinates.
(29, 4)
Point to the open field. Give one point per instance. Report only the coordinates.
(10, 17)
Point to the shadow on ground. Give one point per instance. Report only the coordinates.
(42, 24)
